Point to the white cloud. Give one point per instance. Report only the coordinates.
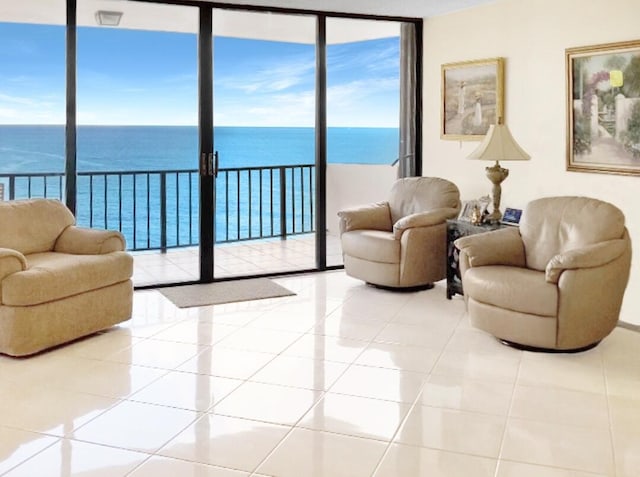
(22, 110)
(283, 109)
(7, 98)
(354, 104)
(355, 58)
(357, 91)
(276, 78)
(8, 113)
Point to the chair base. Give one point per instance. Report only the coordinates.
(427, 286)
(537, 349)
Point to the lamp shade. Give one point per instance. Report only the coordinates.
(499, 145)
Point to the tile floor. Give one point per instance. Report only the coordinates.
(252, 257)
(340, 380)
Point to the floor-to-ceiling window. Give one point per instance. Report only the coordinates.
(137, 132)
(287, 146)
(363, 94)
(32, 100)
(264, 113)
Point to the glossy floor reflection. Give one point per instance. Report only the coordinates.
(341, 379)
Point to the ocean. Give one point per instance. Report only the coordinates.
(125, 148)
(247, 203)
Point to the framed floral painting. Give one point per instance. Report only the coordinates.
(603, 108)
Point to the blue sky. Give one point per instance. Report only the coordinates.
(132, 77)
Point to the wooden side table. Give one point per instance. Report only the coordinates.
(456, 229)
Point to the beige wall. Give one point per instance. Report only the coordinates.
(532, 36)
(346, 188)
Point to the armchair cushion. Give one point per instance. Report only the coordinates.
(46, 220)
(512, 288)
(554, 225)
(423, 219)
(52, 276)
(374, 217)
(412, 195)
(83, 241)
(499, 247)
(586, 257)
(375, 245)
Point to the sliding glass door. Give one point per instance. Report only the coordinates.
(147, 99)
(220, 141)
(137, 132)
(264, 114)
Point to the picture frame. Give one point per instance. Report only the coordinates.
(483, 204)
(466, 210)
(468, 206)
(603, 108)
(472, 98)
(511, 216)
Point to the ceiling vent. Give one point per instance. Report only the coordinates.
(106, 18)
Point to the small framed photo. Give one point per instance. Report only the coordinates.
(466, 211)
(483, 204)
(469, 206)
(511, 216)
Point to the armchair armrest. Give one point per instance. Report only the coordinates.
(374, 217)
(590, 256)
(11, 261)
(498, 247)
(84, 241)
(423, 219)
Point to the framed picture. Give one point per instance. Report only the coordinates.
(483, 204)
(466, 211)
(472, 98)
(603, 108)
(468, 206)
(511, 216)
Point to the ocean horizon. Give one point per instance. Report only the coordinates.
(40, 148)
(248, 203)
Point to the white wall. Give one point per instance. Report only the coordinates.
(532, 36)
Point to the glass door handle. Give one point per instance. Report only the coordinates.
(203, 164)
(210, 164)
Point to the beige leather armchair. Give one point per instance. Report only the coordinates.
(58, 282)
(556, 282)
(400, 243)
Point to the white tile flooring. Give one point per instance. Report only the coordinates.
(252, 257)
(339, 380)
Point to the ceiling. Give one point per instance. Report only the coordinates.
(403, 8)
(242, 23)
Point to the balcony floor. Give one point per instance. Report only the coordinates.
(246, 258)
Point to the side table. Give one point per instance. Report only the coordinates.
(456, 229)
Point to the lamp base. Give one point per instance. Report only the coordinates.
(496, 174)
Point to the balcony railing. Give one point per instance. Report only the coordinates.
(157, 210)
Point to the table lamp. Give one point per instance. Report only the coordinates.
(498, 145)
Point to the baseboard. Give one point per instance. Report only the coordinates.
(629, 326)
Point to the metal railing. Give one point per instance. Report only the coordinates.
(158, 210)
